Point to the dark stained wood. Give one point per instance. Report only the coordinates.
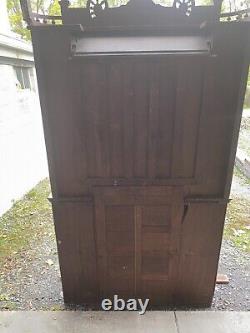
(141, 149)
(163, 95)
(188, 99)
(78, 279)
(137, 14)
(139, 231)
(200, 254)
(145, 15)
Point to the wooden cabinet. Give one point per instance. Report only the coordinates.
(141, 107)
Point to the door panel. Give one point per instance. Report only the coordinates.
(137, 239)
(141, 119)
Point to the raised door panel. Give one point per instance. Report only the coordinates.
(138, 236)
(115, 239)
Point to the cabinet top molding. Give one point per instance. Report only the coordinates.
(137, 14)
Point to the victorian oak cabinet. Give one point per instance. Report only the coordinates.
(141, 107)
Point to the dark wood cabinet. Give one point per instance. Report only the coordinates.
(141, 107)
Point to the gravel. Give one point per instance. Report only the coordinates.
(236, 265)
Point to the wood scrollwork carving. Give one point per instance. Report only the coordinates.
(184, 6)
(96, 7)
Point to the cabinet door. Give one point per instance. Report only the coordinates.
(137, 238)
(139, 121)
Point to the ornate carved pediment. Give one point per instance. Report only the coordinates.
(133, 14)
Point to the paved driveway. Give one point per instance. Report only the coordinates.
(124, 322)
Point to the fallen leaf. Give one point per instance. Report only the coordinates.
(50, 262)
(238, 232)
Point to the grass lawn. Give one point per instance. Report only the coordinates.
(237, 228)
(24, 222)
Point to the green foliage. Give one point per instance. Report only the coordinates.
(237, 225)
(38, 6)
(16, 20)
(54, 8)
(51, 7)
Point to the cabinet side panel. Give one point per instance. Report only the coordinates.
(221, 111)
(202, 231)
(76, 248)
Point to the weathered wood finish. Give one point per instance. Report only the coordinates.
(138, 241)
(141, 151)
(160, 141)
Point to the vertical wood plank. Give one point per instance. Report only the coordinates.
(153, 119)
(189, 89)
(95, 119)
(165, 133)
(128, 121)
(138, 249)
(140, 111)
(101, 244)
(115, 126)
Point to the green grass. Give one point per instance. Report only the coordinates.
(24, 222)
(243, 179)
(238, 213)
(237, 226)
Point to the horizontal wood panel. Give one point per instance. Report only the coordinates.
(155, 242)
(156, 216)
